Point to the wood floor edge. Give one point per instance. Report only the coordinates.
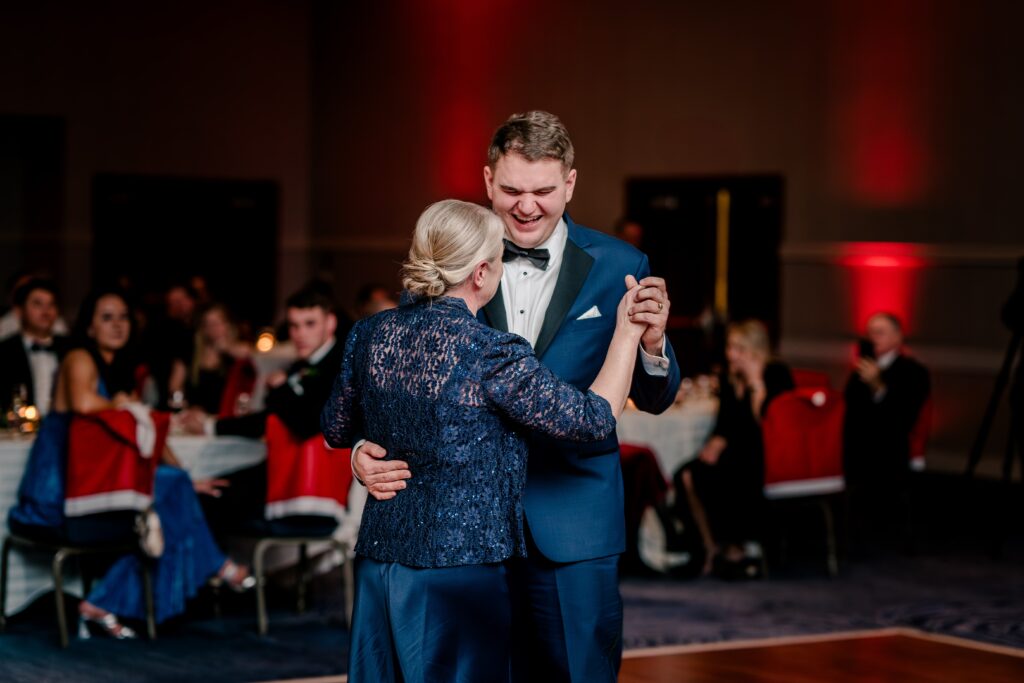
(773, 642)
(967, 642)
(819, 638)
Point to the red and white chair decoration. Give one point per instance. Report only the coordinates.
(803, 452)
(107, 470)
(241, 380)
(304, 477)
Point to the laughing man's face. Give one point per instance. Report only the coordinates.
(529, 196)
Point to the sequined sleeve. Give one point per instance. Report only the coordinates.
(341, 417)
(526, 391)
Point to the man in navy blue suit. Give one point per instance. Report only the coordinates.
(559, 290)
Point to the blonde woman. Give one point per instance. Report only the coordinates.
(215, 352)
(724, 486)
(449, 395)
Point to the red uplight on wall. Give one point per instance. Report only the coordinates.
(463, 38)
(883, 77)
(882, 276)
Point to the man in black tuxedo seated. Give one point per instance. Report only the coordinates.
(29, 360)
(296, 396)
(884, 397)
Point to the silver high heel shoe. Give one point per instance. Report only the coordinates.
(228, 577)
(108, 624)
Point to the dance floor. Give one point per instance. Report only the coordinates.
(880, 656)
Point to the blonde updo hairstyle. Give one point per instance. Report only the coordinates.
(451, 238)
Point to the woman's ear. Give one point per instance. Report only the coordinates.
(480, 273)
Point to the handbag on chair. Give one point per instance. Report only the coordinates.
(150, 532)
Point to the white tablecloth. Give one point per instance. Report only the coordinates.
(676, 436)
(204, 457)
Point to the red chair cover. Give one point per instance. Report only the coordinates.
(141, 375)
(919, 436)
(811, 378)
(644, 486)
(241, 379)
(105, 470)
(803, 443)
(304, 477)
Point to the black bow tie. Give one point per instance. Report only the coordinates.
(36, 347)
(538, 257)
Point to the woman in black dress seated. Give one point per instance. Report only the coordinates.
(724, 486)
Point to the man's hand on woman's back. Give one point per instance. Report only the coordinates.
(383, 478)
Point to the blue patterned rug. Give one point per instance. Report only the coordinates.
(962, 596)
(952, 587)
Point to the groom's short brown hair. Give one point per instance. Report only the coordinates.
(535, 135)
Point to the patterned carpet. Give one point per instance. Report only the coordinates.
(952, 587)
(963, 596)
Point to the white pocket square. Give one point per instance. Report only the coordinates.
(592, 313)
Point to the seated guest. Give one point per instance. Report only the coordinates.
(28, 361)
(296, 396)
(167, 347)
(10, 321)
(884, 397)
(94, 377)
(374, 298)
(724, 487)
(216, 351)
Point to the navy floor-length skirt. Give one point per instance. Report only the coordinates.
(414, 625)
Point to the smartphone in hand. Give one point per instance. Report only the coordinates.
(866, 349)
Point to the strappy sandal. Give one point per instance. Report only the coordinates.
(107, 624)
(230, 575)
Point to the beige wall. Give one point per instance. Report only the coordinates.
(366, 112)
(649, 88)
(203, 89)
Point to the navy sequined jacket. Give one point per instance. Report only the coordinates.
(449, 395)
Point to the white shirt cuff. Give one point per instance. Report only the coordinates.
(210, 426)
(352, 460)
(656, 366)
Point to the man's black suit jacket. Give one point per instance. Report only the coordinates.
(877, 433)
(299, 412)
(15, 369)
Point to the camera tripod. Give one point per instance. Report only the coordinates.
(1013, 318)
(1015, 440)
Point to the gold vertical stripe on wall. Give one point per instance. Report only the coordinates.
(722, 253)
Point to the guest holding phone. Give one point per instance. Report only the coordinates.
(884, 397)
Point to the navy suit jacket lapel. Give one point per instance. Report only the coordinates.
(576, 264)
(24, 373)
(494, 312)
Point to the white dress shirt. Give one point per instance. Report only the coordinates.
(295, 379)
(884, 361)
(44, 371)
(527, 291)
